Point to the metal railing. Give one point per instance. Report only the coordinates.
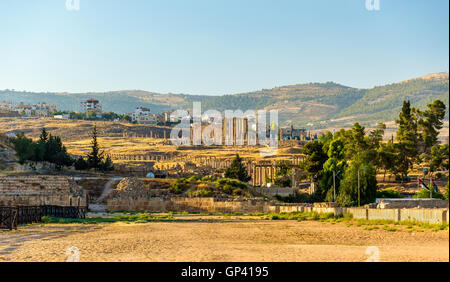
(11, 217)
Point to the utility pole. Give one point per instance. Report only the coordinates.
(334, 185)
(359, 191)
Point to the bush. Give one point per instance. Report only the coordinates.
(194, 178)
(209, 178)
(283, 181)
(177, 188)
(228, 189)
(201, 193)
(232, 182)
(81, 164)
(425, 194)
(297, 198)
(389, 193)
(238, 192)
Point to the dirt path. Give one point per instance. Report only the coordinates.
(235, 240)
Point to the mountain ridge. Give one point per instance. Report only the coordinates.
(309, 104)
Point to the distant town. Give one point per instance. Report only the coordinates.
(91, 109)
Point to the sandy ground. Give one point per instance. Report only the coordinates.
(229, 240)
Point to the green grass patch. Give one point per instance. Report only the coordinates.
(131, 218)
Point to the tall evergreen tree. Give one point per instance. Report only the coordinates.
(95, 157)
(315, 158)
(237, 170)
(44, 136)
(407, 137)
(376, 136)
(431, 122)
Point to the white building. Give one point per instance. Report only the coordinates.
(91, 105)
(5, 106)
(143, 115)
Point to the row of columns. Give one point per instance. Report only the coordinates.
(165, 134)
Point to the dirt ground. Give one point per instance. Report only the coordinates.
(235, 239)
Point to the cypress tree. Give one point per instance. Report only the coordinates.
(237, 170)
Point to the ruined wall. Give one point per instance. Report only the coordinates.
(180, 204)
(283, 192)
(211, 205)
(40, 190)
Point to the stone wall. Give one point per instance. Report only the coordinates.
(273, 191)
(180, 204)
(211, 205)
(421, 215)
(40, 190)
(412, 203)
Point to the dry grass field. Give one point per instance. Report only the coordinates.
(221, 240)
(76, 137)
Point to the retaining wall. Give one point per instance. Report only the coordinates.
(412, 203)
(40, 190)
(180, 204)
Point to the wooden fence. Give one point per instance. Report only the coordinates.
(10, 217)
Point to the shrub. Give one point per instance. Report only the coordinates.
(297, 198)
(177, 188)
(81, 164)
(238, 192)
(194, 178)
(389, 193)
(283, 181)
(201, 192)
(209, 178)
(425, 194)
(232, 182)
(228, 189)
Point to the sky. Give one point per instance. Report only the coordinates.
(215, 47)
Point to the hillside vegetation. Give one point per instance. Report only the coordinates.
(320, 105)
(7, 157)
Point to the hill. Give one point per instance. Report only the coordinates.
(7, 157)
(314, 105)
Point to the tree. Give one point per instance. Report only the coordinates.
(348, 195)
(439, 158)
(430, 122)
(376, 136)
(315, 158)
(81, 164)
(23, 147)
(95, 157)
(357, 142)
(282, 176)
(237, 170)
(407, 137)
(44, 136)
(107, 165)
(386, 157)
(333, 170)
(48, 149)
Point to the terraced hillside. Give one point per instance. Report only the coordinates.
(314, 105)
(7, 157)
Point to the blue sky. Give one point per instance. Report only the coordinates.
(217, 46)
